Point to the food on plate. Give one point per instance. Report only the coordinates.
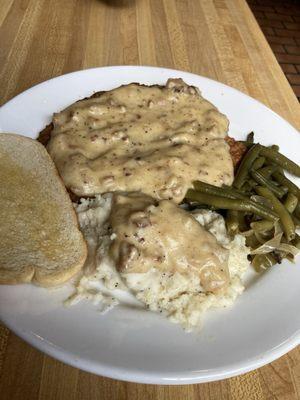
(237, 150)
(153, 139)
(172, 209)
(145, 239)
(39, 237)
(172, 261)
(262, 204)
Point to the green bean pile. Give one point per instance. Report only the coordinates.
(262, 204)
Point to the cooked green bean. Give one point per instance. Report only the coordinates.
(283, 180)
(218, 191)
(251, 183)
(274, 147)
(297, 210)
(246, 143)
(259, 178)
(243, 224)
(285, 218)
(231, 204)
(296, 221)
(258, 163)
(252, 242)
(267, 171)
(262, 226)
(245, 166)
(296, 241)
(246, 187)
(263, 236)
(263, 261)
(232, 222)
(250, 137)
(262, 201)
(281, 160)
(278, 168)
(234, 190)
(291, 202)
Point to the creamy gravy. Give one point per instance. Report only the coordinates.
(164, 236)
(138, 138)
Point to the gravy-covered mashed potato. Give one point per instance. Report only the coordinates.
(153, 139)
(144, 146)
(172, 261)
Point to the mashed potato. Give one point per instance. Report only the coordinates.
(179, 297)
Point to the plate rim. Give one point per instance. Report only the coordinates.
(149, 67)
(137, 376)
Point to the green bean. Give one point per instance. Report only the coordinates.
(296, 241)
(218, 191)
(252, 183)
(296, 221)
(245, 166)
(264, 236)
(281, 160)
(246, 187)
(297, 210)
(231, 204)
(262, 201)
(250, 137)
(243, 226)
(283, 180)
(274, 147)
(285, 218)
(262, 226)
(232, 222)
(263, 261)
(234, 190)
(252, 242)
(291, 202)
(246, 143)
(267, 171)
(278, 168)
(258, 163)
(278, 191)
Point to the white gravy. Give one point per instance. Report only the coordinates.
(161, 235)
(152, 139)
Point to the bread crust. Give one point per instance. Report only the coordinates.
(15, 277)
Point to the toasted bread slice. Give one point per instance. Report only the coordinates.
(39, 236)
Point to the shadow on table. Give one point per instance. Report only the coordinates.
(118, 3)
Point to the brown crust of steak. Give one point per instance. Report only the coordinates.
(45, 134)
(237, 150)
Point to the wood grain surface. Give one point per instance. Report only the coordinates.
(220, 39)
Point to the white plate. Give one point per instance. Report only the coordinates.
(141, 346)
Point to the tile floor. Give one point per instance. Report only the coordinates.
(280, 22)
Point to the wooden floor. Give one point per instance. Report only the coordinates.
(280, 22)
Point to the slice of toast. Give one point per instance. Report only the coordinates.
(39, 236)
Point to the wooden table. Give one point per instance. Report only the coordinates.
(220, 39)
